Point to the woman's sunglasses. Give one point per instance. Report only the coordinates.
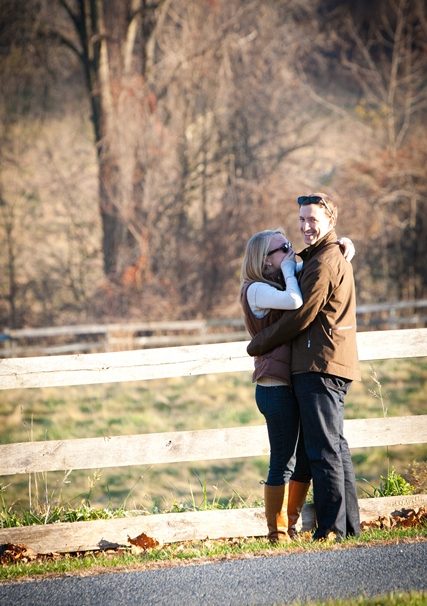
(284, 247)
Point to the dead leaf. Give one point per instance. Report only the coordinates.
(404, 518)
(143, 541)
(10, 553)
(410, 517)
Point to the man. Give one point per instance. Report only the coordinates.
(324, 363)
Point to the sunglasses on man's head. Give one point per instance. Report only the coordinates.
(284, 248)
(306, 200)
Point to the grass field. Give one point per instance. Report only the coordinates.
(392, 388)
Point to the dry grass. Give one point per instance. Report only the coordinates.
(201, 402)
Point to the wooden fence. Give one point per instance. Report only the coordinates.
(88, 338)
(175, 447)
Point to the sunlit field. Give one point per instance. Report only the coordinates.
(392, 388)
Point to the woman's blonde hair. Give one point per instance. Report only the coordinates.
(255, 254)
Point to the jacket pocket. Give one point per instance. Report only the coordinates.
(333, 329)
(335, 383)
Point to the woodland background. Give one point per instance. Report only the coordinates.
(142, 143)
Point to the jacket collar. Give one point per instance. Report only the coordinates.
(310, 251)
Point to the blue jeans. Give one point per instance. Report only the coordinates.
(287, 453)
(321, 403)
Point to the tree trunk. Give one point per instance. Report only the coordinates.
(113, 38)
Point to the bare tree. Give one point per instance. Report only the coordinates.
(389, 65)
(374, 54)
(19, 77)
(47, 220)
(236, 123)
(112, 41)
(204, 133)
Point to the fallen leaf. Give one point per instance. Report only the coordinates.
(10, 553)
(143, 541)
(404, 518)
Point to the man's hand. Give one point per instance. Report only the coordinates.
(347, 248)
(252, 348)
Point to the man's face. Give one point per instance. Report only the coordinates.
(314, 222)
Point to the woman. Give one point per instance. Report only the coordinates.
(268, 287)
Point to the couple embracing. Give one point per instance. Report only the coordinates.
(302, 319)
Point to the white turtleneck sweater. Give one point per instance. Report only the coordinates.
(262, 297)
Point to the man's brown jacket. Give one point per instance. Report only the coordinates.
(323, 330)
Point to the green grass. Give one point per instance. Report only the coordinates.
(195, 551)
(413, 598)
(393, 484)
(203, 402)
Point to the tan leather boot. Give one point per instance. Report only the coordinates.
(296, 499)
(275, 502)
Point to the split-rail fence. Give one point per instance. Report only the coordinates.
(92, 338)
(175, 447)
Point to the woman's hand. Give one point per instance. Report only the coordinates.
(347, 248)
(288, 265)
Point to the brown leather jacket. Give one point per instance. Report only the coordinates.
(323, 330)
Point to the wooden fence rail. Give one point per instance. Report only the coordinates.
(175, 447)
(180, 446)
(112, 337)
(167, 362)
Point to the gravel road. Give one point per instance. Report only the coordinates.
(257, 581)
